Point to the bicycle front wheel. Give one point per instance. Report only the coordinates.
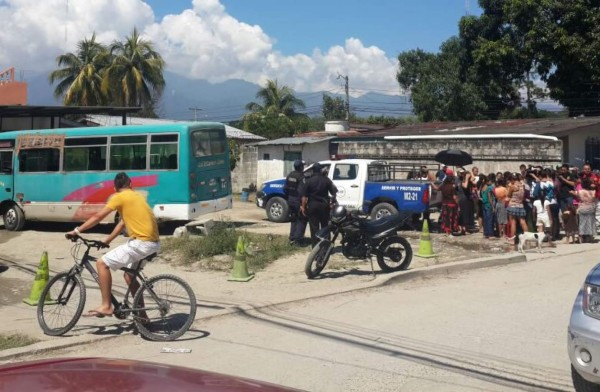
(61, 304)
(164, 308)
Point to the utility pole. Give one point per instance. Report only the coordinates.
(347, 95)
(195, 109)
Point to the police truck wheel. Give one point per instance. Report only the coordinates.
(383, 209)
(14, 218)
(277, 210)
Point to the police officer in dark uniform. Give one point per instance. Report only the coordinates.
(293, 184)
(316, 201)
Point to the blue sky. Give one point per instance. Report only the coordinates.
(301, 26)
(303, 44)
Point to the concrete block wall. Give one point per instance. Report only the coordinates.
(245, 172)
(489, 155)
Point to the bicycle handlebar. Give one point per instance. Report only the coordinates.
(89, 243)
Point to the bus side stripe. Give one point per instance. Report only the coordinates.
(100, 191)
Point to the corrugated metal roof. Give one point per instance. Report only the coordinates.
(293, 140)
(232, 132)
(543, 126)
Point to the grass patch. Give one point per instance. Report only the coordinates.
(17, 340)
(216, 250)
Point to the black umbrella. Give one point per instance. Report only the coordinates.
(454, 157)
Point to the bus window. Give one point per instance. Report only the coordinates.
(85, 154)
(128, 152)
(5, 162)
(163, 152)
(207, 143)
(39, 160)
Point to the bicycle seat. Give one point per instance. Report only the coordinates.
(151, 256)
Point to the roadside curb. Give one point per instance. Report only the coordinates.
(450, 268)
(50, 345)
(380, 281)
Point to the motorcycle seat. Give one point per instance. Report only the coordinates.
(384, 224)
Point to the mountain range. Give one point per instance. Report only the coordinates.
(189, 99)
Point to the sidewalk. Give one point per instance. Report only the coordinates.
(282, 282)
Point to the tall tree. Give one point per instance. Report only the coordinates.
(79, 74)
(573, 43)
(515, 41)
(501, 52)
(440, 89)
(276, 100)
(276, 116)
(135, 75)
(333, 108)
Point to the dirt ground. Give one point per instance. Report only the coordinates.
(283, 280)
(39, 236)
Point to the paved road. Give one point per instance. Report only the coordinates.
(499, 329)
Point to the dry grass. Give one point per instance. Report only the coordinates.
(17, 340)
(216, 251)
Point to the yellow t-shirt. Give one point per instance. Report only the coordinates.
(137, 214)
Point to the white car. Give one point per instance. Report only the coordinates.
(584, 335)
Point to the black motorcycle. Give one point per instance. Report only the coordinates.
(361, 238)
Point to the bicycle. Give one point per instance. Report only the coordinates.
(158, 313)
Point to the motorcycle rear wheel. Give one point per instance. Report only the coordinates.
(394, 254)
(317, 259)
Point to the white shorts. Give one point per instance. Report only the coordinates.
(543, 221)
(128, 254)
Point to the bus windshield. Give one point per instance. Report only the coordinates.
(208, 143)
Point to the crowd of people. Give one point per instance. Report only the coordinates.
(560, 201)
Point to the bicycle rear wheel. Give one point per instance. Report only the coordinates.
(169, 304)
(61, 304)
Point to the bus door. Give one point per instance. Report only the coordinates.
(6, 174)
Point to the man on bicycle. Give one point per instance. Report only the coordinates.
(136, 215)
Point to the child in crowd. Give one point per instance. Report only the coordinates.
(570, 225)
(542, 213)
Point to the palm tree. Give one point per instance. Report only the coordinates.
(80, 76)
(276, 100)
(135, 75)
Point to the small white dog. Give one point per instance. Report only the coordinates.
(530, 237)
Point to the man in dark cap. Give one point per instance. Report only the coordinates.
(315, 200)
(293, 184)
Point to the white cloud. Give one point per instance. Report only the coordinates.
(35, 32)
(203, 42)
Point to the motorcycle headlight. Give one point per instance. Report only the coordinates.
(591, 300)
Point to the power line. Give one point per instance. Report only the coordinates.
(195, 109)
(345, 78)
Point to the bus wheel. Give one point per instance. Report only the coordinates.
(277, 210)
(14, 218)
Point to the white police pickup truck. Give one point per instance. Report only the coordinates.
(375, 187)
